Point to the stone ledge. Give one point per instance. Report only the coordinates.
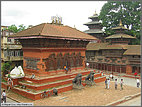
(124, 99)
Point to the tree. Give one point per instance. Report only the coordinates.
(21, 27)
(129, 12)
(13, 29)
(16, 29)
(6, 68)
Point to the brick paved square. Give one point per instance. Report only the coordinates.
(89, 96)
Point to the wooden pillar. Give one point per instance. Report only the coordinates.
(115, 69)
(120, 69)
(105, 67)
(111, 68)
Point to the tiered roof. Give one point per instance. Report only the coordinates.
(133, 50)
(121, 34)
(130, 49)
(95, 21)
(96, 46)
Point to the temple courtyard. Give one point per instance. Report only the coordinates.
(95, 95)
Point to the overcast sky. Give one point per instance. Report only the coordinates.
(37, 12)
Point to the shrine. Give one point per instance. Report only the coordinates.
(48, 47)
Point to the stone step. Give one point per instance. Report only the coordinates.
(51, 84)
(55, 78)
(36, 95)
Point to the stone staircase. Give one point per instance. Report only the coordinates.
(35, 87)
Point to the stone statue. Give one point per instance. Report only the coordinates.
(89, 80)
(55, 92)
(77, 81)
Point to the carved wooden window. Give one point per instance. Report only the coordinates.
(52, 62)
(79, 59)
(31, 63)
(74, 59)
(59, 61)
(66, 60)
(71, 60)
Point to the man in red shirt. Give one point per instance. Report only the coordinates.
(135, 74)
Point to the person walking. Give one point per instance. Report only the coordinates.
(33, 76)
(106, 83)
(111, 76)
(135, 74)
(10, 83)
(115, 84)
(4, 96)
(138, 82)
(121, 84)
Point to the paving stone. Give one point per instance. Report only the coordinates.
(89, 96)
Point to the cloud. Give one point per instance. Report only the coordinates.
(37, 12)
(15, 13)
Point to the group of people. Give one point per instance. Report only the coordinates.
(107, 83)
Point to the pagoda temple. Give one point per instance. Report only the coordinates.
(116, 55)
(48, 47)
(120, 37)
(95, 28)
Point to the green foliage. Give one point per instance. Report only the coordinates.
(6, 67)
(13, 28)
(16, 29)
(3, 80)
(21, 27)
(129, 13)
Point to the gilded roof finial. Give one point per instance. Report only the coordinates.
(95, 13)
(120, 23)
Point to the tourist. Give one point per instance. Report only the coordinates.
(10, 83)
(102, 73)
(106, 83)
(138, 83)
(4, 96)
(33, 76)
(66, 69)
(121, 84)
(111, 76)
(55, 91)
(135, 74)
(116, 84)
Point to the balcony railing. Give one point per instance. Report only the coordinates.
(134, 59)
(11, 46)
(13, 58)
(113, 55)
